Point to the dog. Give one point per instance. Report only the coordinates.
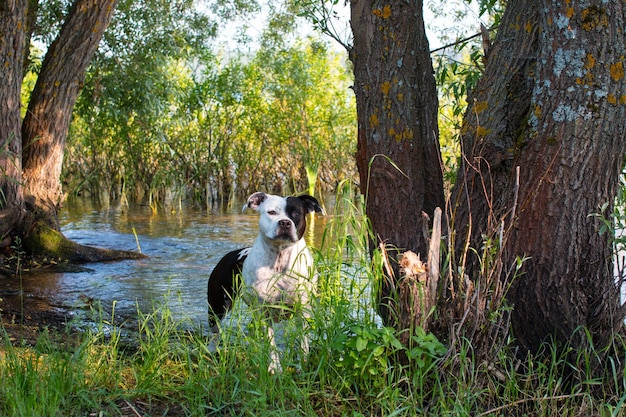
(277, 271)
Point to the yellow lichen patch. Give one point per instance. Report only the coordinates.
(622, 100)
(591, 62)
(385, 87)
(528, 26)
(480, 106)
(385, 12)
(481, 132)
(400, 135)
(400, 97)
(611, 99)
(617, 70)
(569, 12)
(594, 17)
(537, 112)
(587, 80)
(374, 121)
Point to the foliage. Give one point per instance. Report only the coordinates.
(327, 17)
(364, 354)
(164, 117)
(458, 64)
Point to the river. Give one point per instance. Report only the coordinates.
(182, 247)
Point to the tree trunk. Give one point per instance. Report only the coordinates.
(553, 103)
(31, 153)
(46, 124)
(12, 45)
(398, 141)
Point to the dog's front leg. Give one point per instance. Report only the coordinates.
(274, 366)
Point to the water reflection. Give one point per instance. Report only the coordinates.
(182, 246)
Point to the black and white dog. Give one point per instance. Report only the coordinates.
(278, 272)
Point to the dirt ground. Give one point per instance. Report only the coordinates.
(24, 321)
(25, 318)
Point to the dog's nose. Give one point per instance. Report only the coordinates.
(285, 224)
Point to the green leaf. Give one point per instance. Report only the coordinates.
(361, 344)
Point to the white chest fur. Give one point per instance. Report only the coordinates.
(279, 274)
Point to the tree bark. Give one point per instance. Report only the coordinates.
(45, 126)
(552, 102)
(398, 139)
(12, 45)
(31, 152)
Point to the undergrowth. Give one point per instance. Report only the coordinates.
(350, 371)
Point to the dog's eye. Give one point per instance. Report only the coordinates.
(271, 212)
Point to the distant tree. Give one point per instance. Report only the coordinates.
(127, 138)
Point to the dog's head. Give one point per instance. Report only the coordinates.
(282, 218)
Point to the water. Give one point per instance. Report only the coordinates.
(182, 249)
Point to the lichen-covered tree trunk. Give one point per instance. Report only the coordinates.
(46, 124)
(552, 103)
(398, 142)
(12, 44)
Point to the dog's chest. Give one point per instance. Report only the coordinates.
(279, 276)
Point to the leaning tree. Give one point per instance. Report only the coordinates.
(543, 145)
(31, 150)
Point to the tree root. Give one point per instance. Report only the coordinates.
(42, 240)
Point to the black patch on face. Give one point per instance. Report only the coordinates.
(297, 209)
(296, 212)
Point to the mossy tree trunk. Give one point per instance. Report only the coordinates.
(551, 104)
(46, 124)
(31, 151)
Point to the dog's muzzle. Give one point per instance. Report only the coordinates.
(285, 229)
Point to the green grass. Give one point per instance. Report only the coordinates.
(169, 370)
(173, 372)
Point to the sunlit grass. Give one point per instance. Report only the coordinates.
(168, 369)
(171, 369)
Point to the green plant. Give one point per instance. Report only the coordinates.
(362, 355)
(424, 350)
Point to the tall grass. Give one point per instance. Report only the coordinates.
(170, 370)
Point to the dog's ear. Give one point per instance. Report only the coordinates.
(255, 200)
(311, 204)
